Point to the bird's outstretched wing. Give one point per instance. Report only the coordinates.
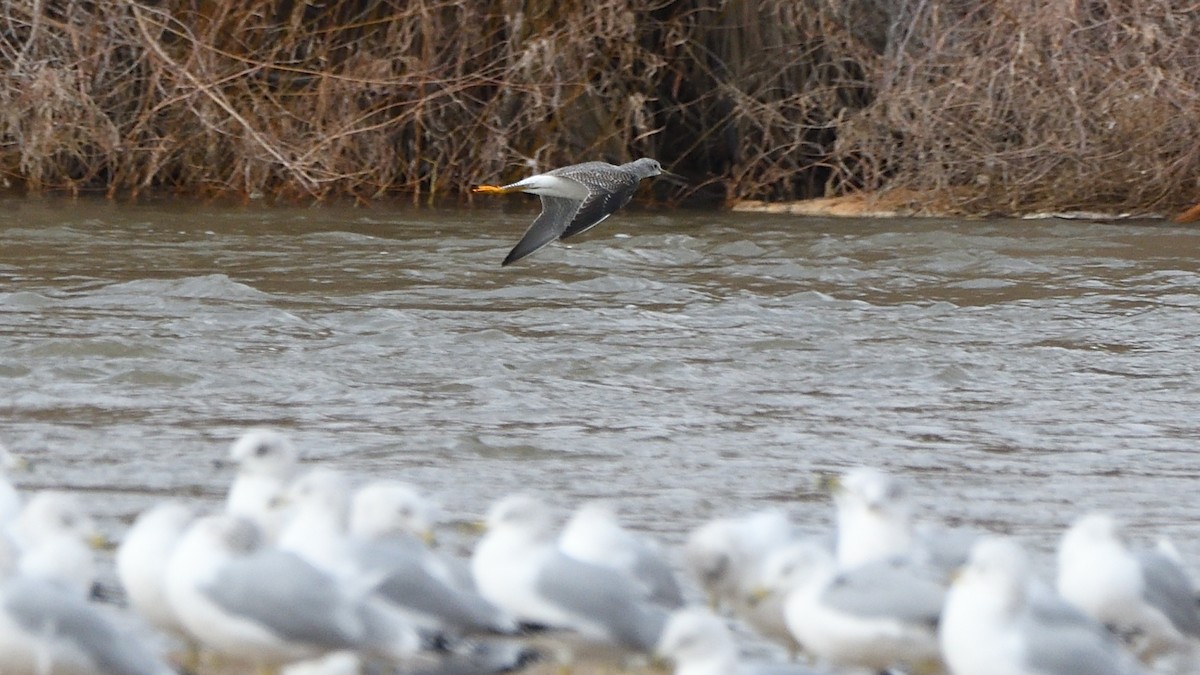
(557, 213)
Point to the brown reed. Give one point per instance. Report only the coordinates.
(1005, 106)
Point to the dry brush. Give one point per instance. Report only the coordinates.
(1004, 106)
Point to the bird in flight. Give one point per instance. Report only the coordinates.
(575, 199)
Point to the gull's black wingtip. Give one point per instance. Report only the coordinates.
(524, 248)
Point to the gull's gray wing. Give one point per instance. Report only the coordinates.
(886, 590)
(1072, 648)
(408, 584)
(609, 189)
(556, 215)
(658, 578)
(1168, 589)
(604, 597)
(46, 609)
(290, 598)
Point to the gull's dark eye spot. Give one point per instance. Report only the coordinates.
(261, 450)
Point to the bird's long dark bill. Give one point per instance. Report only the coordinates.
(674, 178)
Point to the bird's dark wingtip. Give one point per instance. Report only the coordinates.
(521, 250)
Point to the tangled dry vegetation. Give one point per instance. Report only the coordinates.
(1004, 106)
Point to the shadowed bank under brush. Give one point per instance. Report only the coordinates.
(1004, 106)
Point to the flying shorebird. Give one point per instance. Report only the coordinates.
(575, 199)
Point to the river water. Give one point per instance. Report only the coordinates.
(689, 365)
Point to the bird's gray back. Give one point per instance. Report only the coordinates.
(42, 607)
(1168, 589)
(287, 596)
(609, 189)
(886, 590)
(602, 596)
(407, 583)
(1073, 648)
(658, 577)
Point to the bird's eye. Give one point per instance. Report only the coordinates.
(261, 450)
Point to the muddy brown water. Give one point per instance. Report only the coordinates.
(688, 365)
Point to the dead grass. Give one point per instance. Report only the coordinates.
(1003, 106)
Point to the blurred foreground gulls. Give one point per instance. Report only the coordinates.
(47, 628)
(998, 621)
(318, 572)
(519, 567)
(1144, 596)
(593, 535)
(699, 643)
(873, 616)
(251, 602)
(575, 199)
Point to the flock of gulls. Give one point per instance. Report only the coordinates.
(306, 571)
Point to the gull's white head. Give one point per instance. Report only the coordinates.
(999, 565)
(1093, 529)
(263, 451)
(870, 489)
(52, 513)
(523, 514)
(697, 636)
(320, 488)
(391, 508)
(793, 566)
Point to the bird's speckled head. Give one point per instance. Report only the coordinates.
(644, 167)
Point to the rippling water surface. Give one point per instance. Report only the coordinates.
(688, 364)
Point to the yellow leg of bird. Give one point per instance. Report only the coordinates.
(491, 190)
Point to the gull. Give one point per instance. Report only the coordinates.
(424, 586)
(872, 616)
(315, 529)
(265, 462)
(47, 628)
(998, 621)
(1144, 595)
(875, 522)
(575, 199)
(699, 643)
(254, 603)
(55, 538)
(142, 561)
(391, 508)
(518, 567)
(726, 556)
(593, 535)
(874, 519)
(396, 512)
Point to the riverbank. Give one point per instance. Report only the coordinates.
(1000, 108)
(903, 203)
